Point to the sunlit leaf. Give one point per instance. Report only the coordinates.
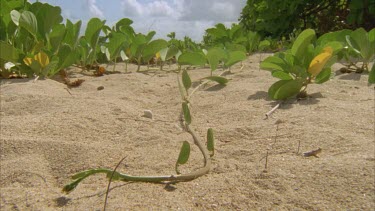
(184, 155)
(218, 79)
(302, 41)
(284, 89)
(210, 142)
(318, 63)
(186, 111)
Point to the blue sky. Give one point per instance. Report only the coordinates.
(185, 17)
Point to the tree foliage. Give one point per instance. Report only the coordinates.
(281, 17)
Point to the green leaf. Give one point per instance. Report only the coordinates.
(210, 142)
(48, 16)
(15, 16)
(214, 56)
(371, 76)
(52, 67)
(284, 89)
(183, 157)
(168, 53)
(301, 43)
(273, 63)
(192, 58)
(123, 22)
(56, 36)
(67, 56)
(323, 76)
(282, 75)
(153, 47)
(218, 79)
(186, 111)
(29, 22)
(8, 52)
(361, 43)
(94, 26)
(264, 45)
(72, 33)
(234, 57)
(186, 81)
(115, 43)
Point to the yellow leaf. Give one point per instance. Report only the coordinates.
(28, 61)
(320, 61)
(157, 55)
(42, 59)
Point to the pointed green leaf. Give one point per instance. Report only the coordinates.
(218, 79)
(72, 33)
(210, 142)
(186, 111)
(192, 58)
(284, 89)
(186, 81)
(183, 157)
(301, 43)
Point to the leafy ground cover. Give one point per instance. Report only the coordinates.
(48, 133)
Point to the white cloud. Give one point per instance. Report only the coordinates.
(185, 17)
(94, 9)
(160, 8)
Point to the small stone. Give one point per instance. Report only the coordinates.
(147, 114)
(100, 88)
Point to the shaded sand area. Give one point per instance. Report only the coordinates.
(48, 133)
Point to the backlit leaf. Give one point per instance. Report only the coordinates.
(192, 58)
(186, 81)
(214, 56)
